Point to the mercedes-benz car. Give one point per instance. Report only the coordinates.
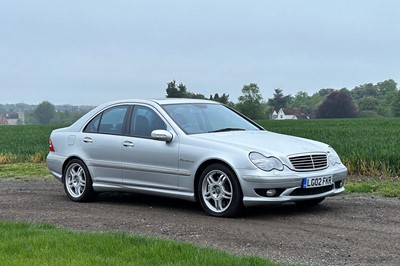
(195, 150)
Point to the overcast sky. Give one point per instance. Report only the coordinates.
(90, 52)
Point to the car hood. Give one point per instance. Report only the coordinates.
(265, 142)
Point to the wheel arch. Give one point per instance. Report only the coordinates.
(66, 163)
(203, 166)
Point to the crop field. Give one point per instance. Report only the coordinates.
(366, 146)
(24, 143)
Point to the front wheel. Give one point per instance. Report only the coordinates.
(219, 191)
(77, 181)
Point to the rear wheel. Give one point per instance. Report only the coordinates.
(219, 191)
(310, 202)
(77, 181)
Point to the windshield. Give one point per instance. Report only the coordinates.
(207, 118)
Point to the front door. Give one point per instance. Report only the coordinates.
(149, 163)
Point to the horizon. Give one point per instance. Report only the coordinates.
(206, 96)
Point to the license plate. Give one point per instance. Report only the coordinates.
(317, 182)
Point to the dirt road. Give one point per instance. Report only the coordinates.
(344, 230)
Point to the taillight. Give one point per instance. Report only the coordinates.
(51, 147)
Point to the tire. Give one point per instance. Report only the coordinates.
(77, 181)
(219, 191)
(310, 202)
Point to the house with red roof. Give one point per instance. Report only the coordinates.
(13, 119)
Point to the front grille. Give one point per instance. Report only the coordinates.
(310, 191)
(309, 162)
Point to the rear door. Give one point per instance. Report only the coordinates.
(101, 142)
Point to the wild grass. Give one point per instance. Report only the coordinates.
(24, 171)
(24, 244)
(379, 185)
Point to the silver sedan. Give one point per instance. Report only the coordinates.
(194, 150)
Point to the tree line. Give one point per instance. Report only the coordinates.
(367, 100)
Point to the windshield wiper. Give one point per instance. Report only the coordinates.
(227, 129)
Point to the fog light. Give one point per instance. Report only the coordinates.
(271, 192)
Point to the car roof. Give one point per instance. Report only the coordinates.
(164, 101)
(180, 101)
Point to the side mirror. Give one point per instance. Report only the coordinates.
(162, 135)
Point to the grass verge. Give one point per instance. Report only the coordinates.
(384, 186)
(26, 244)
(24, 171)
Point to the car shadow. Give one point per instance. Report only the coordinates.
(177, 205)
(286, 210)
(141, 200)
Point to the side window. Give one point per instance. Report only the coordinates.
(93, 126)
(109, 121)
(143, 121)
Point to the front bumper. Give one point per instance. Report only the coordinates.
(288, 185)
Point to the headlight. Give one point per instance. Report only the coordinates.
(265, 163)
(333, 157)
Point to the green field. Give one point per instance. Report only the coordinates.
(24, 143)
(366, 146)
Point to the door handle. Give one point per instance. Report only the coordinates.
(87, 140)
(127, 143)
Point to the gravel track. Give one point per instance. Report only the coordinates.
(344, 230)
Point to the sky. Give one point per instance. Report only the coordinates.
(90, 52)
